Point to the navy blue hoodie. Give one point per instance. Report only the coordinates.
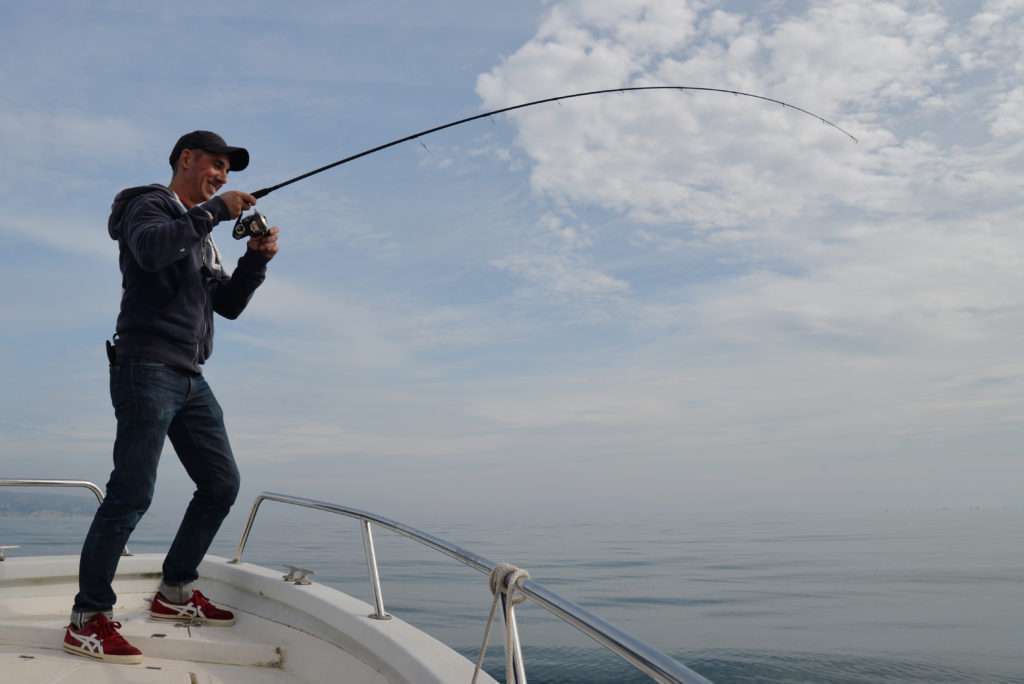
(171, 284)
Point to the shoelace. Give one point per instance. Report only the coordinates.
(107, 629)
(201, 601)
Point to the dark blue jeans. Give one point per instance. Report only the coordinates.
(153, 401)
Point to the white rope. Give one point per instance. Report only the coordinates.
(504, 579)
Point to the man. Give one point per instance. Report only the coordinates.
(172, 282)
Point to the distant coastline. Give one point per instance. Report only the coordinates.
(43, 515)
(45, 506)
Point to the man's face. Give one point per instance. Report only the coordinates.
(203, 173)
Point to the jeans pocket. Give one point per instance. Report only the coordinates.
(146, 392)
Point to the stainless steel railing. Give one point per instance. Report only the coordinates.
(84, 484)
(652, 662)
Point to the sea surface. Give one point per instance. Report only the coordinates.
(922, 596)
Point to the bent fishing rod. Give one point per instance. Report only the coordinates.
(256, 224)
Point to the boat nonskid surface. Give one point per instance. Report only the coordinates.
(284, 633)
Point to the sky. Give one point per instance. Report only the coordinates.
(649, 304)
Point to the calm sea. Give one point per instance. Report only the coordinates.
(885, 597)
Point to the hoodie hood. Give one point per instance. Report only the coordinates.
(121, 202)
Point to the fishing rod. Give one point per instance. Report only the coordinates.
(256, 224)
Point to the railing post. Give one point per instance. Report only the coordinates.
(371, 562)
(248, 528)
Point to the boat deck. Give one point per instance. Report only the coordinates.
(249, 651)
(283, 632)
(39, 666)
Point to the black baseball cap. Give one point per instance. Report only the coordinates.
(208, 141)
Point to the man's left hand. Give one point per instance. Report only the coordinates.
(267, 246)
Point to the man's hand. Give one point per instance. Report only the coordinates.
(237, 201)
(267, 246)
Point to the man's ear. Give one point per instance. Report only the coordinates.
(186, 159)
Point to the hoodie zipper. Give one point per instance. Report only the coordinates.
(204, 303)
(203, 328)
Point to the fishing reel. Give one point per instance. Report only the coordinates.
(253, 225)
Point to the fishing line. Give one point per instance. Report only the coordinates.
(250, 225)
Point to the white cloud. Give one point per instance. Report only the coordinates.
(860, 299)
(768, 183)
(562, 274)
(344, 333)
(639, 26)
(724, 24)
(713, 161)
(1008, 117)
(565, 236)
(557, 261)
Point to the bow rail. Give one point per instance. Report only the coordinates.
(652, 662)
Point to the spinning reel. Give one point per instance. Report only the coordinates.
(253, 225)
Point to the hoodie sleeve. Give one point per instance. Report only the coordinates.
(233, 294)
(157, 239)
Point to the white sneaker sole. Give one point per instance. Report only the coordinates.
(186, 620)
(105, 657)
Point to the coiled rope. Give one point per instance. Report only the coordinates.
(504, 579)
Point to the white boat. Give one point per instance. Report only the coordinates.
(289, 628)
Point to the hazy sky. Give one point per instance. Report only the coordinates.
(658, 303)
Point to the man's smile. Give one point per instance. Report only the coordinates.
(212, 187)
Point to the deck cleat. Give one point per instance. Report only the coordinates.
(297, 575)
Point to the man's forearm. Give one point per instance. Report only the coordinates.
(233, 294)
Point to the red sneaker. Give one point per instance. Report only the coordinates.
(198, 609)
(98, 638)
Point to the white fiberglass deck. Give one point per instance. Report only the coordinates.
(284, 632)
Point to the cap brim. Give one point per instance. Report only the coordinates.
(238, 157)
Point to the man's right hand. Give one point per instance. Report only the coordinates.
(237, 201)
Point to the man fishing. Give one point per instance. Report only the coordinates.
(173, 282)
